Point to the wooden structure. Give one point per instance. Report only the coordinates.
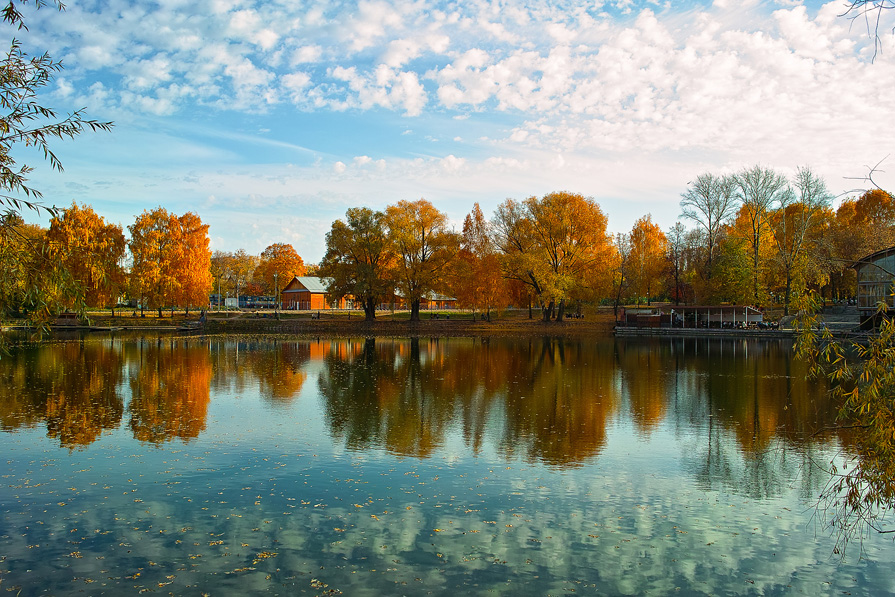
(308, 293)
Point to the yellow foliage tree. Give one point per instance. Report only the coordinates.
(647, 259)
(91, 250)
(420, 236)
(556, 244)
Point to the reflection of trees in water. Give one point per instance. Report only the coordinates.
(403, 395)
(169, 390)
(73, 388)
(276, 366)
(741, 407)
(748, 405)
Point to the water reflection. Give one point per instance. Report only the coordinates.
(543, 399)
(396, 466)
(72, 388)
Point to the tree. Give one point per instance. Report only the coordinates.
(476, 278)
(194, 264)
(647, 257)
(358, 259)
(791, 224)
(860, 496)
(710, 202)
(32, 283)
(91, 250)
(279, 263)
(872, 11)
(758, 188)
(424, 246)
(555, 244)
(621, 269)
(25, 122)
(171, 260)
(676, 255)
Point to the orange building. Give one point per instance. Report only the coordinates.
(308, 293)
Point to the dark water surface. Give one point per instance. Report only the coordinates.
(443, 467)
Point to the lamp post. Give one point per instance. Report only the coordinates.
(276, 292)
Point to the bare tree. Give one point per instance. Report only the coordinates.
(872, 13)
(675, 251)
(710, 201)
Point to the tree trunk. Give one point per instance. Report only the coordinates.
(561, 312)
(370, 309)
(159, 312)
(530, 315)
(788, 290)
(548, 310)
(415, 310)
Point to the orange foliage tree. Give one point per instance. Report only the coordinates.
(477, 281)
(171, 260)
(91, 250)
(279, 263)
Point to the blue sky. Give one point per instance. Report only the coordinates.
(270, 119)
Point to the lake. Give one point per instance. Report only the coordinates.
(452, 466)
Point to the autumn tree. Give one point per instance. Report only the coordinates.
(194, 264)
(709, 202)
(791, 224)
(32, 283)
(621, 266)
(554, 244)
(359, 259)
(424, 245)
(171, 260)
(26, 123)
(873, 222)
(758, 189)
(91, 250)
(476, 277)
(233, 271)
(647, 257)
(279, 263)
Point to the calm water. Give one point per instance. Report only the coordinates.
(443, 467)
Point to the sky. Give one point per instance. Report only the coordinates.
(270, 119)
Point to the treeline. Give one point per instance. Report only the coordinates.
(755, 237)
(83, 261)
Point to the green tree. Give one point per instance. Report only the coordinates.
(358, 259)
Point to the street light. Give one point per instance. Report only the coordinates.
(276, 292)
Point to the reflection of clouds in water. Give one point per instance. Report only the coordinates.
(678, 503)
